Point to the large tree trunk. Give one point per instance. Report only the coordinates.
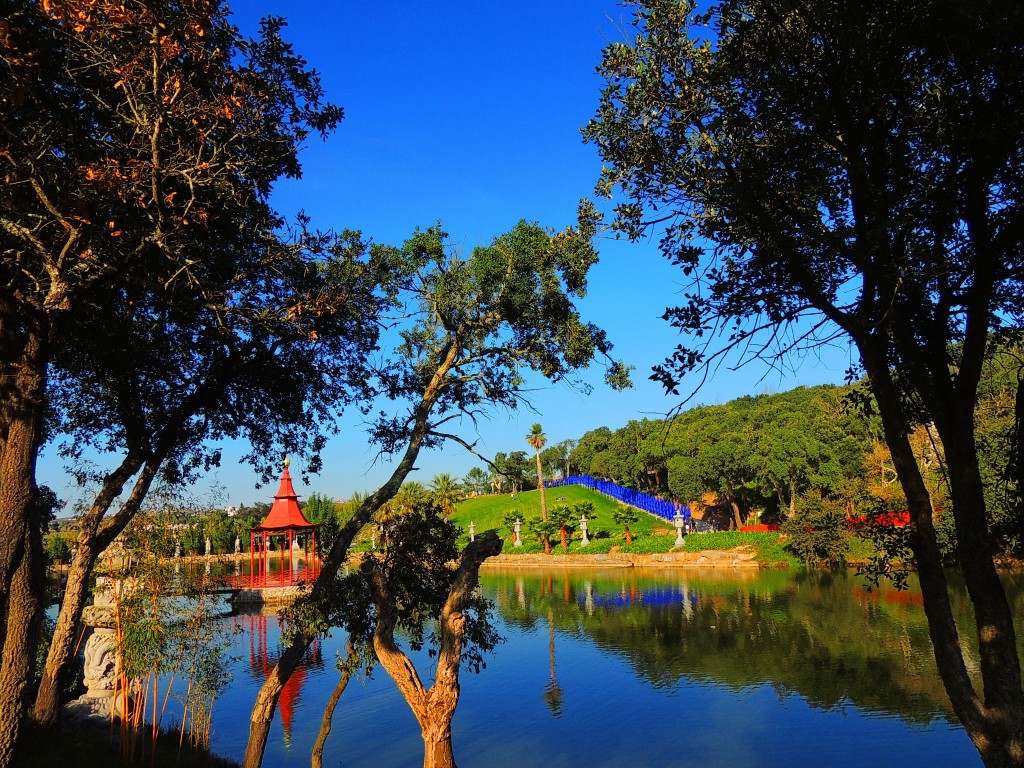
(24, 620)
(22, 581)
(437, 747)
(22, 385)
(996, 725)
(1003, 710)
(48, 699)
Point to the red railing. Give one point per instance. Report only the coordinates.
(285, 577)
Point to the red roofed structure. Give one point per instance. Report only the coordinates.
(285, 519)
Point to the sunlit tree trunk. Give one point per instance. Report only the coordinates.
(433, 708)
(92, 541)
(24, 620)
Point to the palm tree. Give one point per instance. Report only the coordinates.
(537, 440)
(405, 500)
(446, 490)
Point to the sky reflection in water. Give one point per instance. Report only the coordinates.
(640, 668)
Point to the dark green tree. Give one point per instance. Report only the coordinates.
(514, 468)
(322, 511)
(810, 199)
(475, 481)
(557, 458)
(818, 531)
(542, 530)
(1000, 433)
(588, 446)
(712, 453)
(446, 491)
(562, 518)
(146, 288)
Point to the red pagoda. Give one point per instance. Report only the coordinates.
(285, 518)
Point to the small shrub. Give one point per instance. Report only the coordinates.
(818, 532)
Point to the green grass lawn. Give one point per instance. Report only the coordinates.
(487, 512)
(650, 533)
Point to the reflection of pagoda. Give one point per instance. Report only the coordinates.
(285, 520)
(262, 663)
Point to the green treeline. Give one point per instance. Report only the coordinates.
(775, 457)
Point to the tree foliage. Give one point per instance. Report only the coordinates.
(149, 300)
(475, 481)
(818, 531)
(446, 491)
(809, 199)
(473, 326)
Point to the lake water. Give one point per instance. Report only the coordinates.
(645, 668)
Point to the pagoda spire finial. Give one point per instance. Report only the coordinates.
(287, 462)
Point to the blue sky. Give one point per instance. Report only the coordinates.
(469, 113)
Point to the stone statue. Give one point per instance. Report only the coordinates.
(100, 663)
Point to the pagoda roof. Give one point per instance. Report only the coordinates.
(285, 513)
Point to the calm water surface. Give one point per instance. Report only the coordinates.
(645, 668)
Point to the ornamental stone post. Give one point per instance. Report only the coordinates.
(679, 521)
(100, 669)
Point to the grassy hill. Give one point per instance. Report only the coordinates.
(651, 534)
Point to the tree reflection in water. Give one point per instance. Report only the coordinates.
(649, 668)
(553, 693)
(822, 635)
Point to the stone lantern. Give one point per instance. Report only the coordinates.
(679, 521)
